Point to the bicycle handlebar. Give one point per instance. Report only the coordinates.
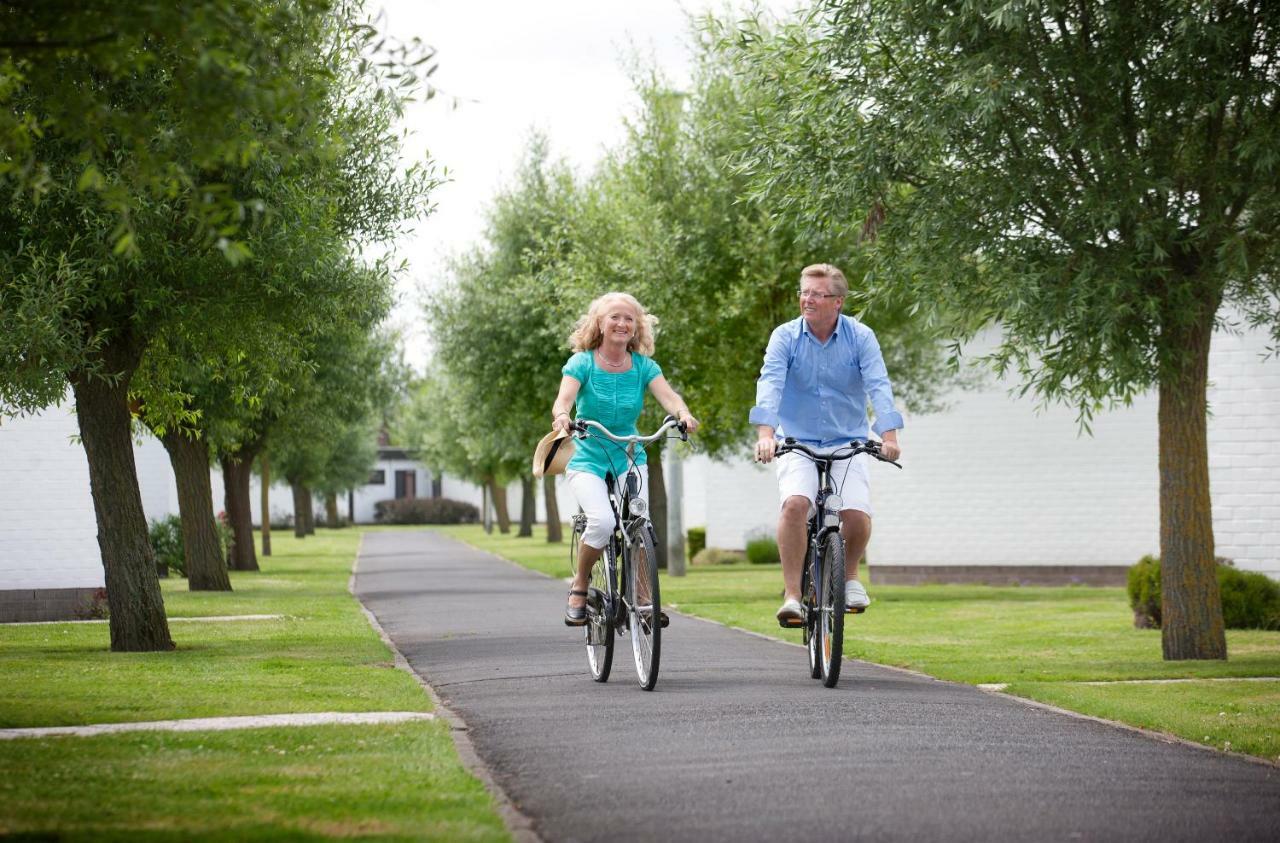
(582, 425)
(843, 452)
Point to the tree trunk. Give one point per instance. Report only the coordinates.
(265, 465)
(308, 502)
(237, 469)
(1191, 605)
(485, 518)
(331, 510)
(299, 509)
(657, 501)
(528, 506)
(555, 532)
(201, 544)
(499, 495)
(137, 621)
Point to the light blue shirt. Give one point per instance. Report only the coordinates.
(818, 392)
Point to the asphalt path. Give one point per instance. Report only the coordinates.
(738, 744)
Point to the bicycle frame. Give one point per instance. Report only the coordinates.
(610, 606)
(623, 499)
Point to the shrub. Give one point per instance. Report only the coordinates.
(1144, 592)
(763, 551)
(166, 541)
(94, 608)
(1249, 600)
(696, 540)
(717, 556)
(425, 511)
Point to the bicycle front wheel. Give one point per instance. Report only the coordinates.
(599, 628)
(831, 609)
(644, 605)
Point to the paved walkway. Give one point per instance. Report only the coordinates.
(738, 744)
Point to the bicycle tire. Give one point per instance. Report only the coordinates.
(831, 609)
(644, 605)
(599, 628)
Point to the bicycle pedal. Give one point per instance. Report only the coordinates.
(791, 623)
(850, 610)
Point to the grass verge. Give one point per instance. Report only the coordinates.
(1042, 642)
(402, 782)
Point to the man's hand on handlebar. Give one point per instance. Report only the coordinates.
(889, 447)
(766, 445)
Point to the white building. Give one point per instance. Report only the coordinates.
(992, 490)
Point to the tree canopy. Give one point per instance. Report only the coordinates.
(1097, 179)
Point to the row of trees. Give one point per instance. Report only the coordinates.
(1097, 179)
(665, 218)
(188, 192)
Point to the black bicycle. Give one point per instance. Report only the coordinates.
(822, 578)
(623, 592)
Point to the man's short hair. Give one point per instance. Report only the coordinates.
(839, 285)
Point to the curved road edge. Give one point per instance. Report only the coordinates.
(519, 825)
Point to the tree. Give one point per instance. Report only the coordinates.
(1097, 179)
(104, 262)
(500, 329)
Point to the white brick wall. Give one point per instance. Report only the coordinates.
(48, 535)
(1244, 450)
(992, 481)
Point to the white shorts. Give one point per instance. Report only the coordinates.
(797, 475)
(593, 498)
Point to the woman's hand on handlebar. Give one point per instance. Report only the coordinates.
(562, 422)
(690, 423)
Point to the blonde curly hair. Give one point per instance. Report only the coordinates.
(587, 335)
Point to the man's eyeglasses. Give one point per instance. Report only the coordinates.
(813, 294)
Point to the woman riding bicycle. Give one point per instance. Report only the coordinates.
(605, 379)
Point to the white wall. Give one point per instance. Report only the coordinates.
(994, 481)
(1244, 450)
(991, 481)
(48, 534)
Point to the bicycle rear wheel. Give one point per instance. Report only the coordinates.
(644, 606)
(599, 628)
(831, 609)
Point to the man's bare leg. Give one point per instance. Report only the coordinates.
(791, 543)
(855, 527)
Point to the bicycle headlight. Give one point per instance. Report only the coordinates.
(831, 511)
(639, 507)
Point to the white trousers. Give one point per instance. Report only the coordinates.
(593, 498)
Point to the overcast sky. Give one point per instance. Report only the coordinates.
(507, 67)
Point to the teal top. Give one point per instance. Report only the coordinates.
(614, 400)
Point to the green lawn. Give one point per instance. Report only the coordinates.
(1042, 642)
(376, 782)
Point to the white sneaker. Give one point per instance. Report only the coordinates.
(791, 610)
(855, 596)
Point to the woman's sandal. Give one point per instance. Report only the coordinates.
(576, 615)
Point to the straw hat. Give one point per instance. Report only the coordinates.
(553, 453)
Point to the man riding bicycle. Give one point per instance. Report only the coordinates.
(819, 372)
